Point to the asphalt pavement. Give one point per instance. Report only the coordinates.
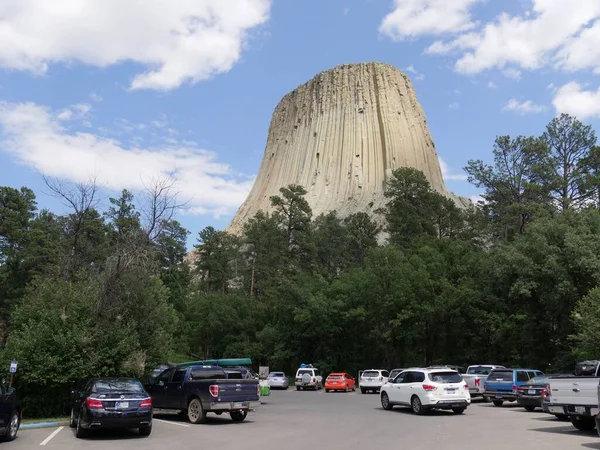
(293, 420)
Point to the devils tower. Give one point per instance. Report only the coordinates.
(340, 136)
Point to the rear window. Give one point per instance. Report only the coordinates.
(302, 372)
(208, 374)
(522, 376)
(334, 377)
(370, 373)
(479, 370)
(235, 375)
(118, 386)
(277, 374)
(501, 375)
(445, 377)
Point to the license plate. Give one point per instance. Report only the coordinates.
(531, 391)
(580, 409)
(121, 405)
(238, 405)
(451, 391)
(498, 395)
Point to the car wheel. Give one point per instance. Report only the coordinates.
(458, 410)
(238, 416)
(529, 408)
(498, 403)
(80, 432)
(346, 390)
(363, 391)
(72, 422)
(385, 402)
(145, 431)
(584, 423)
(195, 412)
(326, 390)
(297, 388)
(417, 406)
(13, 427)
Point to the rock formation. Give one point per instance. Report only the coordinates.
(340, 136)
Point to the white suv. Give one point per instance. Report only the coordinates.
(308, 378)
(372, 380)
(426, 389)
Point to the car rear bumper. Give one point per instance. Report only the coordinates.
(529, 401)
(573, 410)
(476, 392)
(449, 403)
(229, 406)
(98, 420)
(279, 384)
(505, 396)
(336, 387)
(371, 385)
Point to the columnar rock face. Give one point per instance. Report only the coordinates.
(340, 136)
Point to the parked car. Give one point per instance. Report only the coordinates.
(278, 380)
(308, 377)
(10, 413)
(111, 403)
(394, 373)
(532, 393)
(577, 396)
(340, 381)
(475, 377)
(371, 380)
(426, 389)
(198, 390)
(502, 384)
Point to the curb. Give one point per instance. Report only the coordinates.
(26, 426)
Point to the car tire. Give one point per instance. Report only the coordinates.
(385, 402)
(297, 388)
(363, 391)
(529, 408)
(561, 417)
(498, 403)
(346, 390)
(72, 421)
(13, 427)
(326, 390)
(196, 413)
(458, 410)
(80, 432)
(238, 416)
(417, 406)
(145, 431)
(584, 423)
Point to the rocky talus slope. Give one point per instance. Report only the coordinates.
(340, 136)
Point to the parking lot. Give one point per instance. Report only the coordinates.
(316, 420)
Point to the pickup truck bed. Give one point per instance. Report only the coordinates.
(577, 398)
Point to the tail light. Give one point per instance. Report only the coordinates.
(93, 403)
(514, 388)
(214, 390)
(146, 403)
(314, 380)
(380, 378)
(477, 382)
(466, 386)
(429, 387)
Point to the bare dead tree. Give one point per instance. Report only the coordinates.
(81, 198)
(160, 204)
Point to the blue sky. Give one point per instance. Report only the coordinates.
(103, 88)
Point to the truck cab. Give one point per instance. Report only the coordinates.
(502, 384)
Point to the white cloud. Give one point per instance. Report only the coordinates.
(526, 107)
(561, 33)
(513, 74)
(74, 112)
(573, 99)
(95, 97)
(33, 136)
(412, 18)
(417, 75)
(448, 174)
(492, 85)
(176, 41)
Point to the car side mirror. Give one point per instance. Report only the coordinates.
(160, 383)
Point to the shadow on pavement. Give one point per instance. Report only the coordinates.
(110, 435)
(568, 429)
(595, 445)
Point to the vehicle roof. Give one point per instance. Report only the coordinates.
(430, 369)
(518, 368)
(377, 370)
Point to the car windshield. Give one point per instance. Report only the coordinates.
(445, 377)
(118, 386)
(276, 375)
(538, 380)
(501, 375)
(370, 373)
(479, 370)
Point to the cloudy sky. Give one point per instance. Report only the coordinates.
(186, 88)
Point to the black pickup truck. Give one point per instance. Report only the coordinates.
(10, 414)
(198, 390)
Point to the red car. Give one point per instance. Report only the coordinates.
(340, 382)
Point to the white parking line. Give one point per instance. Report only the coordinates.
(49, 438)
(172, 423)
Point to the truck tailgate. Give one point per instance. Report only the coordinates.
(574, 391)
(238, 390)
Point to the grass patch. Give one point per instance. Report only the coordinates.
(50, 419)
